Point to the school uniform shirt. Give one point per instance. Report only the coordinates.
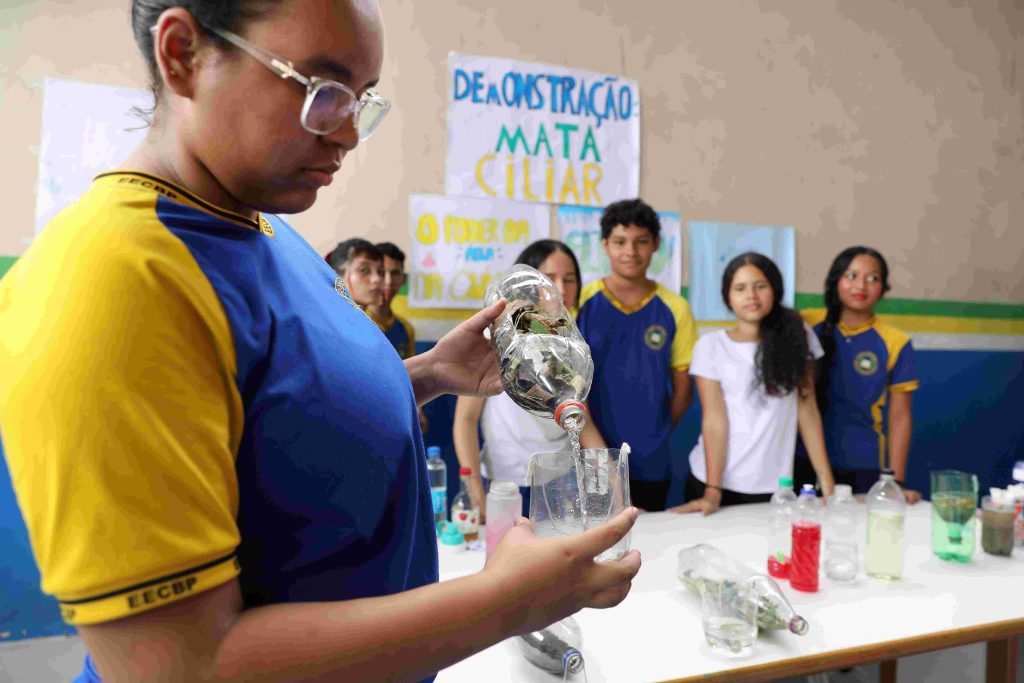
(188, 395)
(511, 435)
(635, 349)
(762, 428)
(400, 333)
(871, 360)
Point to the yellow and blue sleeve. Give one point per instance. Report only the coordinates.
(119, 414)
(901, 367)
(686, 329)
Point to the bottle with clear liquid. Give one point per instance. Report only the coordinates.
(465, 515)
(555, 649)
(544, 362)
(780, 523)
(806, 542)
(883, 552)
(841, 548)
(437, 476)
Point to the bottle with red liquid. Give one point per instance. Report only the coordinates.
(806, 542)
(780, 528)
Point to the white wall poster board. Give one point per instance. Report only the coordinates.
(580, 228)
(713, 245)
(459, 243)
(540, 133)
(87, 129)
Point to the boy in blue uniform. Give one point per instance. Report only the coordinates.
(397, 329)
(641, 336)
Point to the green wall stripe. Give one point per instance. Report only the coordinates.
(5, 263)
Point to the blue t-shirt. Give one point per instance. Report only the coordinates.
(870, 362)
(635, 349)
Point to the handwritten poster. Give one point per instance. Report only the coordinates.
(713, 245)
(580, 228)
(459, 243)
(541, 133)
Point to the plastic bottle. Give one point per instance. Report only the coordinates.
(555, 649)
(780, 524)
(437, 475)
(883, 552)
(1018, 497)
(841, 549)
(544, 362)
(806, 543)
(465, 515)
(504, 506)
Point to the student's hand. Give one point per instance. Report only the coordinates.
(705, 506)
(546, 579)
(912, 496)
(424, 423)
(477, 496)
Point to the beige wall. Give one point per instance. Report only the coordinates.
(891, 123)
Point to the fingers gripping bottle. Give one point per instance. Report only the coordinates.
(780, 525)
(544, 362)
(803, 571)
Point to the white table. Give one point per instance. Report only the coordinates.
(655, 634)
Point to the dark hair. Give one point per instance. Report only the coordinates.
(228, 15)
(391, 250)
(630, 212)
(783, 352)
(343, 254)
(537, 253)
(834, 309)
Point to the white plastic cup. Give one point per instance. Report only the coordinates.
(504, 506)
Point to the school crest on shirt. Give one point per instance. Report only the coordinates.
(265, 227)
(865, 363)
(341, 289)
(655, 337)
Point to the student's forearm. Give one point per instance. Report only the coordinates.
(716, 441)
(400, 637)
(813, 435)
(900, 428)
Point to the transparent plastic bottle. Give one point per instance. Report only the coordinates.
(841, 548)
(437, 476)
(504, 506)
(780, 523)
(555, 649)
(465, 515)
(1018, 497)
(883, 552)
(806, 543)
(544, 362)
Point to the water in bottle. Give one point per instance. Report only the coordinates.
(841, 549)
(780, 524)
(465, 515)
(437, 476)
(806, 542)
(883, 552)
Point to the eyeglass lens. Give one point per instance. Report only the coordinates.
(331, 106)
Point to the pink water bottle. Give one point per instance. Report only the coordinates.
(806, 545)
(504, 506)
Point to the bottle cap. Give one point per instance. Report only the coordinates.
(808, 490)
(888, 470)
(434, 451)
(465, 471)
(842, 491)
(786, 482)
(571, 410)
(1018, 471)
(504, 489)
(449, 533)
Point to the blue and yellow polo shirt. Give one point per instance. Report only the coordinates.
(870, 361)
(635, 349)
(188, 395)
(400, 333)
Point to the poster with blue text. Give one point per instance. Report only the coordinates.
(580, 228)
(459, 243)
(713, 245)
(540, 133)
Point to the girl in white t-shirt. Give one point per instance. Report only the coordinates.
(756, 387)
(510, 434)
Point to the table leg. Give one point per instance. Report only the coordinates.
(887, 671)
(1001, 661)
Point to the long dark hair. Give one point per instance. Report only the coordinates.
(782, 354)
(537, 253)
(833, 311)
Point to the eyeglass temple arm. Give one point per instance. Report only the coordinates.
(282, 67)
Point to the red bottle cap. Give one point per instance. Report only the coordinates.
(465, 471)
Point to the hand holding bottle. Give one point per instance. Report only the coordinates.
(551, 578)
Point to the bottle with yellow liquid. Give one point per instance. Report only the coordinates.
(883, 553)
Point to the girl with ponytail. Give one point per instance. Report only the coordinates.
(756, 389)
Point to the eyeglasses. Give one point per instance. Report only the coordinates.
(328, 103)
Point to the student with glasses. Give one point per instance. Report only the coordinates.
(217, 454)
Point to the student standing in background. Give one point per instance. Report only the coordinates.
(361, 266)
(641, 337)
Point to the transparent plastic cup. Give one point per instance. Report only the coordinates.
(555, 501)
